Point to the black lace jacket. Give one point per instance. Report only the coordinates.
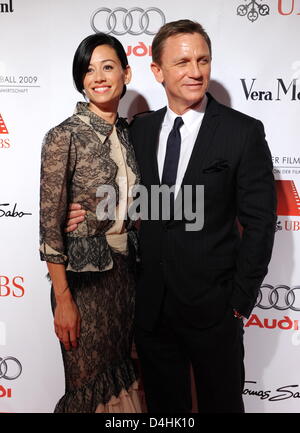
(75, 162)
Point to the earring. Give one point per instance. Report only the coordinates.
(84, 95)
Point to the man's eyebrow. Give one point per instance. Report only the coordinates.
(183, 58)
(179, 59)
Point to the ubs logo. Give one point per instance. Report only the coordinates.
(253, 10)
(4, 142)
(3, 129)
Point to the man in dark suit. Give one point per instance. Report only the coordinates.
(195, 286)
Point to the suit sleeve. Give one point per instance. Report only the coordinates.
(256, 211)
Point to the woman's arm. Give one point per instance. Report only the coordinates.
(66, 315)
(57, 162)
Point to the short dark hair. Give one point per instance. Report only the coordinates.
(84, 53)
(175, 28)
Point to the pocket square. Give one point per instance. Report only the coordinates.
(216, 165)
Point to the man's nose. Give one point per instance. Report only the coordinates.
(195, 70)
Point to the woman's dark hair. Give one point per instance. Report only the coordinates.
(84, 53)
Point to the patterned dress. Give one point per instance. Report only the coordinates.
(82, 157)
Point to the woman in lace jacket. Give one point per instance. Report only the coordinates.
(89, 160)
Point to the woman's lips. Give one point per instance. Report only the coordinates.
(101, 89)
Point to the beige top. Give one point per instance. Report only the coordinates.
(125, 179)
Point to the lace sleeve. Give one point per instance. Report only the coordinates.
(57, 162)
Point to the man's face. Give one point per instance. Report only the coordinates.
(184, 70)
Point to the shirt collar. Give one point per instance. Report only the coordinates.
(191, 118)
(97, 122)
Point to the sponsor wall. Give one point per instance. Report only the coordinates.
(255, 69)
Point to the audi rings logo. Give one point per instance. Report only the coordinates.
(149, 21)
(280, 297)
(10, 368)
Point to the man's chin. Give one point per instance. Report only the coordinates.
(193, 102)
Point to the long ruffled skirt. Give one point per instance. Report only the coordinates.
(99, 374)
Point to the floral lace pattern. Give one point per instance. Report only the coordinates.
(101, 366)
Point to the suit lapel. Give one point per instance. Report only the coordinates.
(153, 137)
(203, 141)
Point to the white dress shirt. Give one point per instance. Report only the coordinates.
(192, 121)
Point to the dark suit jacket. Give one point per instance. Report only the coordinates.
(208, 270)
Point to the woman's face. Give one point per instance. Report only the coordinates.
(103, 83)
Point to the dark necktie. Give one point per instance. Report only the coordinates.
(172, 154)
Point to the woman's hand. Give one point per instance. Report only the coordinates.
(67, 321)
(75, 215)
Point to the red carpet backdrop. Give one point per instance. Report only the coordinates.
(255, 69)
